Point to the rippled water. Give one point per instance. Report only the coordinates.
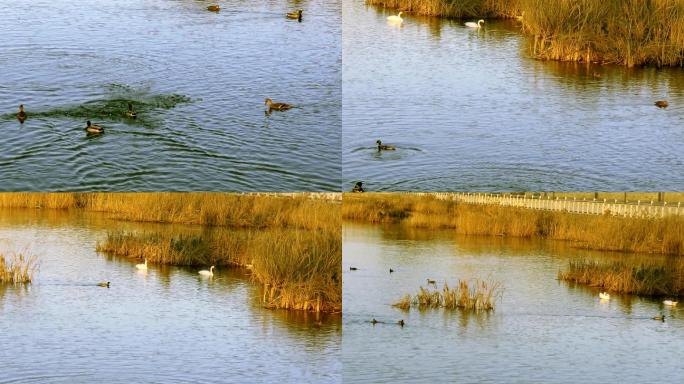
(469, 110)
(167, 325)
(542, 331)
(198, 80)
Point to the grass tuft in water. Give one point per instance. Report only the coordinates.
(17, 269)
(476, 295)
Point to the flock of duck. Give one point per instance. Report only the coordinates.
(605, 296)
(143, 267)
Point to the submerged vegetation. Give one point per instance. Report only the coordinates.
(17, 269)
(630, 32)
(291, 243)
(604, 232)
(653, 279)
(478, 295)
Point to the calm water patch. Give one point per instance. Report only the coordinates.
(542, 330)
(487, 117)
(198, 81)
(166, 325)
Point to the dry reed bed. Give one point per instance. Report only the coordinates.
(17, 269)
(477, 295)
(653, 279)
(644, 235)
(626, 32)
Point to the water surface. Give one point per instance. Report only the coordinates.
(470, 110)
(198, 80)
(542, 331)
(166, 325)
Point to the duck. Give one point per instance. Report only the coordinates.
(662, 104)
(103, 284)
(596, 75)
(91, 128)
(131, 113)
(430, 281)
(21, 115)
(660, 317)
(475, 25)
(204, 272)
(296, 15)
(401, 322)
(214, 8)
(374, 321)
(391, 270)
(277, 106)
(353, 268)
(358, 187)
(396, 18)
(142, 266)
(382, 147)
(604, 296)
(670, 303)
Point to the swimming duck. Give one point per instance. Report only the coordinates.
(91, 128)
(662, 104)
(204, 272)
(358, 187)
(131, 113)
(374, 321)
(396, 18)
(296, 15)
(382, 147)
(214, 8)
(429, 281)
(353, 268)
(670, 303)
(660, 317)
(277, 106)
(477, 25)
(21, 115)
(104, 284)
(401, 322)
(391, 270)
(604, 296)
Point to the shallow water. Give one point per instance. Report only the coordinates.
(542, 331)
(470, 110)
(166, 325)
(198, 80)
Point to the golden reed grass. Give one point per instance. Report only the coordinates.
(17, 269)
(476, 295)
(643, 278)
(605, 232)
(625, 32)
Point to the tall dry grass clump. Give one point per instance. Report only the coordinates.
(643, 278)
(17, 269)
(605, 232)
(454, 8)
(476, 295)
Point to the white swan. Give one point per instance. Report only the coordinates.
(142, 266)
(671, 303)
(471, 24)
(604, 296)
(396, 18)
(210, 272)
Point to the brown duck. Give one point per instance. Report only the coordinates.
(21, 115)
(277, 106)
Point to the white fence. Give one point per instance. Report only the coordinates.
(581, 206)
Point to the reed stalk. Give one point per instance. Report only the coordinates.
(17, 269)
(476, 295)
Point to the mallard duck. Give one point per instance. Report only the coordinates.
(358, 187)
(104, 284)
(670, 303)
(374, 321)
(210, 272)
(472, 24)
(277, 106)
(214, 8)
(660, 317)
(382, 147)
(131, 113)
(429, 281)
(396, 18)
(604, 296)
(91, 128)
(353, 268)
(296, 15)
(21, 115)
(662, 104)
(401, 322)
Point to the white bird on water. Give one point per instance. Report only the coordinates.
(142, 266)
(472, 24)
(396, 18)
(671, 303)
(604, 296)
(204, 272)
